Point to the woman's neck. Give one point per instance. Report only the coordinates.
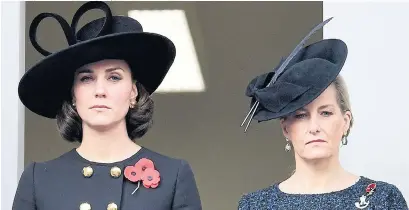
(108, 145)
(318, 176)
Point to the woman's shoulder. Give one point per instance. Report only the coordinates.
(168, 165)
(31, 172)
(259, 193)
(163, 159)
(56, 161)
(381, 187)
(259, 196)
(388, 192)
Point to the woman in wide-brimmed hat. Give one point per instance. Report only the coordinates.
(98, 90)
(309, 97)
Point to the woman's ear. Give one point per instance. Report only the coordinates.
(134, 92)
(283, 125)
(347, 119)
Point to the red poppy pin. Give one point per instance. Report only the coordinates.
(363, 203)
(143, 171)
(370, 189)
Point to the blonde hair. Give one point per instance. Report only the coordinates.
(343, 98)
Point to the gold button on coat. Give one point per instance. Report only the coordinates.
(85, 206)
(112, 206)
(87, 171)
(115, 172)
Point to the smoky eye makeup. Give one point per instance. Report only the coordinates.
(115, 76)
(299, 114)
(83, 75)
(84, 78)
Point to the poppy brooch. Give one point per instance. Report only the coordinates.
(143, 171)
(363, 203)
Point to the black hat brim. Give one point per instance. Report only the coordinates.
(46, 85)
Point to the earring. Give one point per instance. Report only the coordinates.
(344, 140)
(132, 105)
(287, 146)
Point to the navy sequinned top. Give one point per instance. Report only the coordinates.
(386, 196)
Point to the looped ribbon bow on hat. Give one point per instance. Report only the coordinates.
(272, 103)
(70, 31)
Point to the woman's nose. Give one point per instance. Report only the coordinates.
(314, 127)
(100, 91)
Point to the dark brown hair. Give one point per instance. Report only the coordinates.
(138, 119)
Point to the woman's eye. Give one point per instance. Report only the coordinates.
(115, 78)
(300, 116)
(326, 113)
(85, 78)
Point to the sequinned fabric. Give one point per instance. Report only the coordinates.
(386, 197)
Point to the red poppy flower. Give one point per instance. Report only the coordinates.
(150, 178)
(143, 170)
(370, 188)
(133, 173)
(145, 163)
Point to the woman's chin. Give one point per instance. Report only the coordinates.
(316, 154)
(100, 124)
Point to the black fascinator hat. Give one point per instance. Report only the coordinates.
(297, 80)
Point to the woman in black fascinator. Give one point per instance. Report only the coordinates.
(310, 99)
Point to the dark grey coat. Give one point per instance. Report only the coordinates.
(60, 184)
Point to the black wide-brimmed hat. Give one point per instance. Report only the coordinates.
(46, 85)
(297, 80)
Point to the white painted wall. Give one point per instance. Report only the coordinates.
(376, 72)
(12, 111)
